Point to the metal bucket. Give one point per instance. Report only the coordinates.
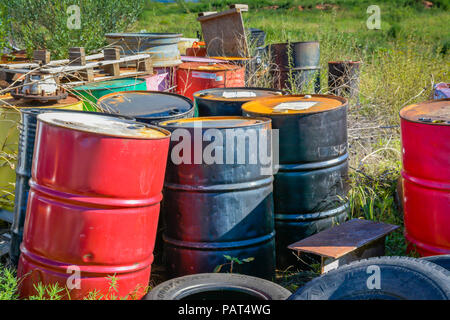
(295, 65)
(196, 76)
(147, 106)
(93, 204)
(311, 184)
(214, 211)
(91, 92)
(9, 138)
(23, 173)
(425, 129)
(162, 47)
(228, 101)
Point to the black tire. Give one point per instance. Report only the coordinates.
(218, 286)
(400, 278)
(443, 261)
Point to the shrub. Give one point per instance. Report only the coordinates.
(44, 24)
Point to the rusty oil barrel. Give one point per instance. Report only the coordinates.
(311, 184)
(425, 131)
(228, 101)
(220, 209)
(147, 106)
(93, 204)
(23, 172)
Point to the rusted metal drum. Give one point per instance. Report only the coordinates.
(343, 78)
(9, 138)
(162, 47)
(311, 184)
(295, 65)
(196, 76)
(222, 208)
(23, 172)
(425, 129)
(228, 101)
(147, 106)
(93, 204)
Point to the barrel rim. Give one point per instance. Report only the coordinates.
(197, 94)
(411, 106)
(264, 121)
(165, 132)
(149, 35)
(294, 42)
(57, 105)
(85, 87)
(282, 114)
(146, 117)
(193, 66)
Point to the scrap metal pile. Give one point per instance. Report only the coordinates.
(158, 153)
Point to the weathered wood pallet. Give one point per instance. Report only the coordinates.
(80, 68)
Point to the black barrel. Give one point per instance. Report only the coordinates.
(256, 37)
(311, 184)
(343, 78)
(228, 101)
(295, 65)
(147, 106)
(216, 212)
(23, 172)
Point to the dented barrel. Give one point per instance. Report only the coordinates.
(218, 203)
(147, 106)
(311, 185)
(425, 132)
(228, 101)
(93, 204)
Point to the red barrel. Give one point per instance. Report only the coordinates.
(425, 131)
(93, 205)
(195, 76)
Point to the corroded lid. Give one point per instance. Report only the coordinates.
(103, 125)
(429, 112)
(145, 104)
(8, 101)
(294, 104)
(236, 94)
(214, 122)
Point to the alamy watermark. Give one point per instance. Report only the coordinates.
(246, 146)
(374, 20)
(74, 17)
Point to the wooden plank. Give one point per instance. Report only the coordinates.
(112, 54)
(202, 14)
(77, 56)
(242, 7)
(144, 65)
(224, 34)
(53, 63)
(104, 78)
(343, 239)
(41, 56)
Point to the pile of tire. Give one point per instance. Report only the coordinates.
(382, 278)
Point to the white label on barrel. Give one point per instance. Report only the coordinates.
(203, 75)
(297, 105)
(238, 94)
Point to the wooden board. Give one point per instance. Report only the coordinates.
(343, 239)
(224, 33)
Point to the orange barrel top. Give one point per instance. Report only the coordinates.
(93, 203)
(425, 129)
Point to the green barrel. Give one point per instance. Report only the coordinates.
(91, 92)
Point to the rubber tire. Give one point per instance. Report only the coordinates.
(401, 278)
(443, 261)
(178, 288)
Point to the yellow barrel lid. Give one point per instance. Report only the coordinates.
(294, 104)
(103, 125)
(214, 122)
(431, 112)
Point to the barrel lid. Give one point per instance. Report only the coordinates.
(144, 35)
(208, 67)
(102, 85)
(145, 104)
(236, 94)
(9, 101)
(294, 104)
(214, 122)
(429, 112)
(103, 125)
